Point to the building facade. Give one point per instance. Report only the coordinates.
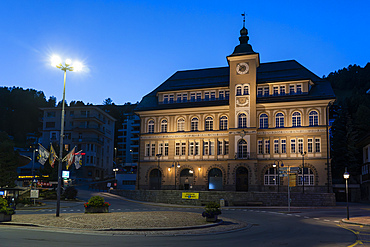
(88, 128)
(231, 128)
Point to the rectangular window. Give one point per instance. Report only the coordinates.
(192, 97)
(219, 148)
(184, 97)
(283, 146)
(299, 89)
(199, 96)
(183, 148)
(165, 99)
(226, 150)
(317, 145)
(266, 91)
(196, 151)
(191, 148)
(211, 148)
(221, 95)
(259, 92)
(206, 96)
(267, 146)
(178, 98)
(147, 149)
(227, 94)
(309, 145)
(292, 146)
(282, 90)
(260, 147)
(160, 148)
(276, 146)
(177, 149)
(166, 149)
(171, 98)
(213, 95)
(300, 145)
(205, 148)
(291, 89)
(276, 90)
(50, 125)
(50, 114)
(153, 149)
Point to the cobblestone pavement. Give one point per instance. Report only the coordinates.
(146, 223)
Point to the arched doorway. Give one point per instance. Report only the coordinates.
(215, 179)
(186, 179)
(242, 179)
(155, 179)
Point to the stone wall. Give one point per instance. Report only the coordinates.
(231, 198)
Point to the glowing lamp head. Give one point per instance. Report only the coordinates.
(77, 66)
(68, 62)
(56, 61)
(346, 175)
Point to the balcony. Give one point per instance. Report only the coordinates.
(245, 156)
(88, 140)
(88, 118)
(92, 128)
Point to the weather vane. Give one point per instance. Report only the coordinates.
(243, 19)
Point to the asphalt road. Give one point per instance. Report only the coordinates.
(267, 227)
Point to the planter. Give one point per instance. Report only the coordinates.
(97, 210)
(211, 219)
(5, 217)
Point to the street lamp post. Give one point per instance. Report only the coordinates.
(303, 154)
(159, 157)
(346, 177)
(57, 62)
(277, 165)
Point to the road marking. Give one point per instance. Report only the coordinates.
(245, 210)
(316, 218)
(326, 220)
(263, 211)
(297, 215)
(336, 221)
(119, 209)
(289, 214)
(306, 217)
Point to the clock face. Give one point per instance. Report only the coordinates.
(242, 68)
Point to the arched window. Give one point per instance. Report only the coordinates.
(223, 123)
(296, 119)
(164, 125)
(181, 124)
(238, 90)
(308, 177)
(209, 123)
(242, 149)
(313, 118)
(245, 90)
(242, 120)
(151, 126)
(271, 176)
(264, 121)
(279, 120)
(194, 124)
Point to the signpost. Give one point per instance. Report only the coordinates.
(291, 173)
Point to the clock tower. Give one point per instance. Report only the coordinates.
(243, 64)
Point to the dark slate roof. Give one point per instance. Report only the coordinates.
(281, 71)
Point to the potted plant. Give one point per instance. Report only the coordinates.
(211, 212)
(96, 204)
(5, 211)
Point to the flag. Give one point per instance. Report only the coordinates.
(78, 159)
(53, 156)
(69, 157)
(43, 154)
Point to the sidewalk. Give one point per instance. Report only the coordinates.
(364, 220)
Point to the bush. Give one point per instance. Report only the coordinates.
(96, 202)
(212, 209)
(4, 207)
(70, 192)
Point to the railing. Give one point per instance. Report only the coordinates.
(245, 155)
(87, 140)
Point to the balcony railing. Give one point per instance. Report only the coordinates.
(87, 140)
(245, 155)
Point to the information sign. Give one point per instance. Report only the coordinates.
(34, 194)
(292, 180)
(191, 196)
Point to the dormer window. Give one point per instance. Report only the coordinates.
(227, 94)
(299, 89)
(178, 98)
(184, 97)
(213, 95)
(192, 97)
(165, 99)
(221, 95)
(259, 92)
(282, 90)
(199, 96)
(206, 96)
(266, 91)
(291, 89)
(171, 98)
(276, 90)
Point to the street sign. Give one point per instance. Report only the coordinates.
(188, 195)
(283, 175)
(292, 180)
(34, 194)
(283, 169)
(293, 169)
(283, 172)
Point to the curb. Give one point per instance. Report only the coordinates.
(354, 223)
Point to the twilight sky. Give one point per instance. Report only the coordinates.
(130, 47)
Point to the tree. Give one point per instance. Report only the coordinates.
(108, 101)
(8, 161)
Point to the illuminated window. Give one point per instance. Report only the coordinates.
(242, 149)
(279, 120)
(271, 176)
(296, 119)
(164, 125)
(181, 124)
(223, 123)
(209, 123)
(264, 121)
(194, 124)
(242, 120)
(151, 126)
(313, 118)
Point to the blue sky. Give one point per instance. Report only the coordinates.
(130, 47)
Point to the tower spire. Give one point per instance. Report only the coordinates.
(243, 19)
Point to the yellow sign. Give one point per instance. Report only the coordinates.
(188, 195)
(292, 180)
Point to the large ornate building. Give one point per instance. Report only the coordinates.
(230, 128)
